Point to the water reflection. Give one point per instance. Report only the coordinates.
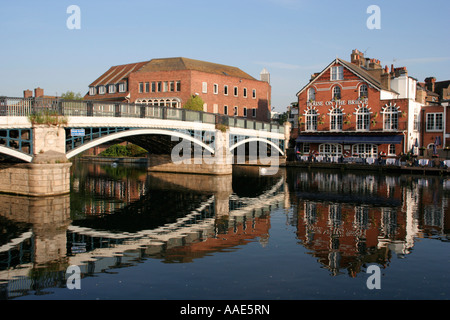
(118, 217)
(349, 220)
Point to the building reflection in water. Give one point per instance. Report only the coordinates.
(349, 220)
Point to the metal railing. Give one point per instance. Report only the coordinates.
(22, 107)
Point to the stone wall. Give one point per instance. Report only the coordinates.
(35, 179)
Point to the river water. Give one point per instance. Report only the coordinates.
(297, 235)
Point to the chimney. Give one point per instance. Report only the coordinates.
(357, 57)
(27, 94)
(386, 79)
(38, 93)
(265, 75)
(430, 83)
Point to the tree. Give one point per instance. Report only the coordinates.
(70, 95)
(195, 102)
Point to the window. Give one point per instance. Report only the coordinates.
(159, 86)
(306, 147)
(363, 92)
(101, 90)
(392, 150)
(330, 149)
(204, 87)
(365, 150)
(236, 91)
(111, 88)
(225, 90)
(166, 86)
(311, 120)
(245, 92)
(215, 108)
(235, 111)
(216, 88)
(153, 86)
(122, 87)
(141, 87)
(172, 86)
(434, 121)
(254, 94)
(92, 91)
(245, 112)
(391, 118)
(254, 112)
(363, 119)
(147, 87)
(336, 119)
(416, 122)
(178, 86)
(337, 73)
(225, 109)
(337, 93)
(311, 94)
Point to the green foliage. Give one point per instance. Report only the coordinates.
(194, 103)
(47, 117)
(120, 151)
(70, 95)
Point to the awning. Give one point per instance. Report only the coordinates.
(349, 139)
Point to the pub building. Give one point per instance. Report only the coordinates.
(357, 109)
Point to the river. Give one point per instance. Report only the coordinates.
(297, 235)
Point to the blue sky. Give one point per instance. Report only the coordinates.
(290, 38)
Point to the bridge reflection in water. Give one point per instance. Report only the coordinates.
(117, 217)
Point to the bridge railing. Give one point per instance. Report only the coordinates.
(81, 108)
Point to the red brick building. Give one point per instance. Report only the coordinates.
(172, 81)
(358, 109)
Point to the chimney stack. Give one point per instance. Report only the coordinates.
(430, 83)
(27, 94)
(38, 93)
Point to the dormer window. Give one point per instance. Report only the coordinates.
(101, 90)
(92, 91)
(112, 88)
(122, 87)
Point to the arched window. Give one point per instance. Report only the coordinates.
(365, 150)
(391, 118)
(311, 120)
(363, 92)
(330, 149)
(363, 119)
(337, 93)
(336, 119)
(311, 94)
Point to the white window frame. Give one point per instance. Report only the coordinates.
(363, 119)
(390, 149)
(435, 122)
(336, 119)
(101, 90)
(254, 93)
(363, 91)
(204, 87)
(311, 118)
(216, 88)
(236, 91)
(337, 90)
(390, 119)
(365, 150)
(112, 88)
(311, 94)
(225, 90)
(330, 149)
(122, 87)
(92, 91)
(337, 73)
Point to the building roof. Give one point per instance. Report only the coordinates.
(117, 73)
(180, 63)
(358, 71)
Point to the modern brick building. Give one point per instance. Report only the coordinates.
(358, 109)
(172, 81)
